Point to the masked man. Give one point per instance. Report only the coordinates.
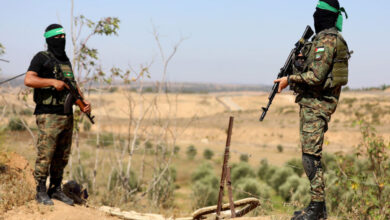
(319, 73)
(46, 70)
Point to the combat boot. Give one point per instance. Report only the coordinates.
(315, 211)
(55, 192)
(42, 196)
(323, 215)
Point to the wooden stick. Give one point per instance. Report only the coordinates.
(224, 167)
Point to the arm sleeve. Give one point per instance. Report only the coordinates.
(36, 64)
(318, 70)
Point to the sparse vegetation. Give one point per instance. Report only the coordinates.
(191, 152)
(244, 157)
(208, 154)
(203, 188)
(280, 148)
(16, 124)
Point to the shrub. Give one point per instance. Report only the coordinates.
(204, 190)
(176, 150)
(265, 171)
(162, 194)
(191, 152)
(280, 176)
(240, 171)
(208, 154)
(296, 165)
(205, 169)
(302, 193)
(360, 179)
(15, 124)
(244, 157)
(250, 187)
(149, 147)
(289, 188)
(279, 148)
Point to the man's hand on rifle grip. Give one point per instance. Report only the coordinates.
(59, 85)
(283, 83)
(87, 107)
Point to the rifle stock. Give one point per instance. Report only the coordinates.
(287, 67)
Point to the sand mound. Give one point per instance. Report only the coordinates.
(17, 184)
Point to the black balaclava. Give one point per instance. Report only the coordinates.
(324, 19)
(56, 45)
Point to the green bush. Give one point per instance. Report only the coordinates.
(250, 187)
(289, 188)
(208, 154)
(191, 152)
(176, 150)
(149, 147)
(280, 176)
(205, 191)
(360, 181)
(265, 171)
(15, 124)
(302, 193)
(240, 171)
(244, 157)
(279, 148)
(205, 169)
(204, 188)
(296, 165)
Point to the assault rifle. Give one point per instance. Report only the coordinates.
(74, 96)
(287, 68)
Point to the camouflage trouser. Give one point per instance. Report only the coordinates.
(54, 145)
(313, 126)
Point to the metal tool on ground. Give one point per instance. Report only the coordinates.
(225, 176)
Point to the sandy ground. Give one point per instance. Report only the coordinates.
(60, 211)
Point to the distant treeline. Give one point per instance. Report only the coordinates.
(177, 87)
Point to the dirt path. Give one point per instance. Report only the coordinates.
(228, 103)
(33, 211)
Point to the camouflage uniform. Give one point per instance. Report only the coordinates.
(55, 129)
(54, 145)
(317, 99)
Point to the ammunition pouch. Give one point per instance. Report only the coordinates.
(339, 74)
(49, 95)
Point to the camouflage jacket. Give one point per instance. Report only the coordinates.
(313, 84)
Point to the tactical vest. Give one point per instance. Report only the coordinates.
(49, 95)
(338, 74)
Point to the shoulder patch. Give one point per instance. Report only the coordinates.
(320, 49)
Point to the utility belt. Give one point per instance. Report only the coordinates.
(60, 71)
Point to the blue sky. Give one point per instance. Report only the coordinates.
(229, 41)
